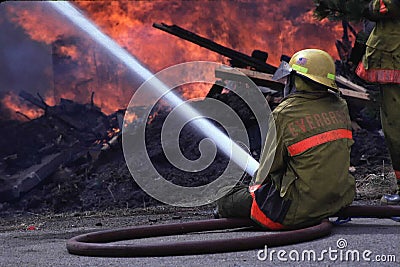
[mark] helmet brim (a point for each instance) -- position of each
(283, 71)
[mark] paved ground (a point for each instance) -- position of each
(375, 240)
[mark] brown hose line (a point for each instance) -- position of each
(369, 211)
(93, 244)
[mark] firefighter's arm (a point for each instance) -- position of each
(274, 150)
(383, 9)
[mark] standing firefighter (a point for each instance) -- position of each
(309, 178)
(381, 65)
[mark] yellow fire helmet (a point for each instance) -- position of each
(316, 65)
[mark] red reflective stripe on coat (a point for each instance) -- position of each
(378, 75)
(397, 173)
(257, 215)
(319, 139)
(383, 9)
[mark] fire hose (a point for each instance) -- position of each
(96, 243)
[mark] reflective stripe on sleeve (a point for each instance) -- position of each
(319, 139)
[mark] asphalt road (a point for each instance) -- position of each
(362, 242)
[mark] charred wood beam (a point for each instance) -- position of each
(43, 101)
(92, 100)
(49, 110)
(33, 100)
(213, 46)
(22, 183)
(353, 31)
(23, 115)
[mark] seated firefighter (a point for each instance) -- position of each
(309, 178)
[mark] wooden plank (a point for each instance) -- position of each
(225, 72)
(350, 84)
(256, 74)
(233, 73)
(354, 94)
(259, 78)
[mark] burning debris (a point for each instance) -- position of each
(66, 133)
(65, 154)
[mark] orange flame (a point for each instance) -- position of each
(70, 51)
(13, 103)
(113, 132)
(275, 27)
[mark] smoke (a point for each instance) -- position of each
(24, 64)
